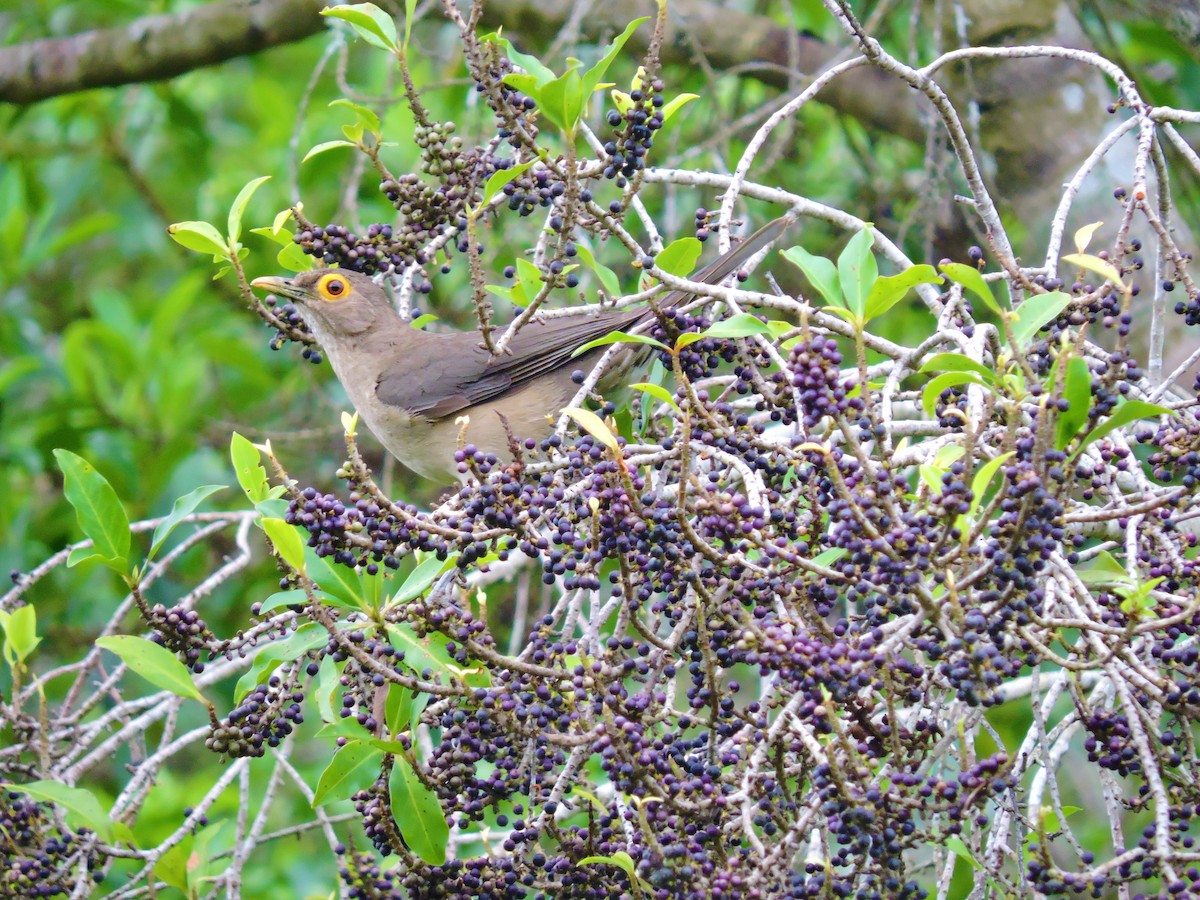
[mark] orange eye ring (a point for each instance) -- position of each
(333, 287)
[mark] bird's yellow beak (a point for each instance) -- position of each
(272, 284)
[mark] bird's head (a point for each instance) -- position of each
(335, 303)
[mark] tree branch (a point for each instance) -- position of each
(158, 47)
(153, 47)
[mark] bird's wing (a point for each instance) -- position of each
(463, 374)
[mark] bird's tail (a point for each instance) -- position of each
(724, 266)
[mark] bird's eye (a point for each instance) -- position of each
(333, 287)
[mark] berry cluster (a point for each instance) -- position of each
(633, 131)
(1177, 452)
(290, 326)
(377, 823)
(536, 189)
(36, 858)
(688, 572)
(727, 553)
(426, 210)
(515, 113)
(817, 377)
(263, 719)
(181, 631)
(698, 359)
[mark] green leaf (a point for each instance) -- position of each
(422, 320)
(1083, 236)
(308, 636)
(1104, 571)
(247, 464)
(1077, 390)
(932, 476)
(1127, 412)
(675, 104)
(969, 278)
(420, 578)
(501, 177)
(948, 455)
(287, 542)
(98, 510)
(172, 865)
(183, 508)
(619, 337)
(402, 708)
(820, 272)
(327, 145)
(293, 259)
(737, 326)
(656, 376)
(418, 814)
(857, 271)
(427, 656)
(20, 633)
(931, 391)
(524, 82)
(239, 207)
(1101, 267)
(888, 290)
(506, 293)
(957, 362)
(530, 64)
(529, 278)
(679, 257)
(83, 809)
(204, 863)
(294, 597)
(608, 278)
(298, 597)
(1035, 312)
(740, 325)
(410, 9)
(370, 22)
(1138, 600)
(620, 859)
(366, 118)
(155, 663)
(593, 425)
(830, 556)
(342, 583)
(842, 313)
(282, 238)
(562, 100)
(659, 393)
(594, 75)
(326, 683)
(958, 847)
(353, 767)
(199, 236)
(281, 219)
(983, 479)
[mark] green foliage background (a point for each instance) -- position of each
(116, 344)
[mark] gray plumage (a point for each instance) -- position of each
(411, 387)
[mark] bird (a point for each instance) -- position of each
(412, 387)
